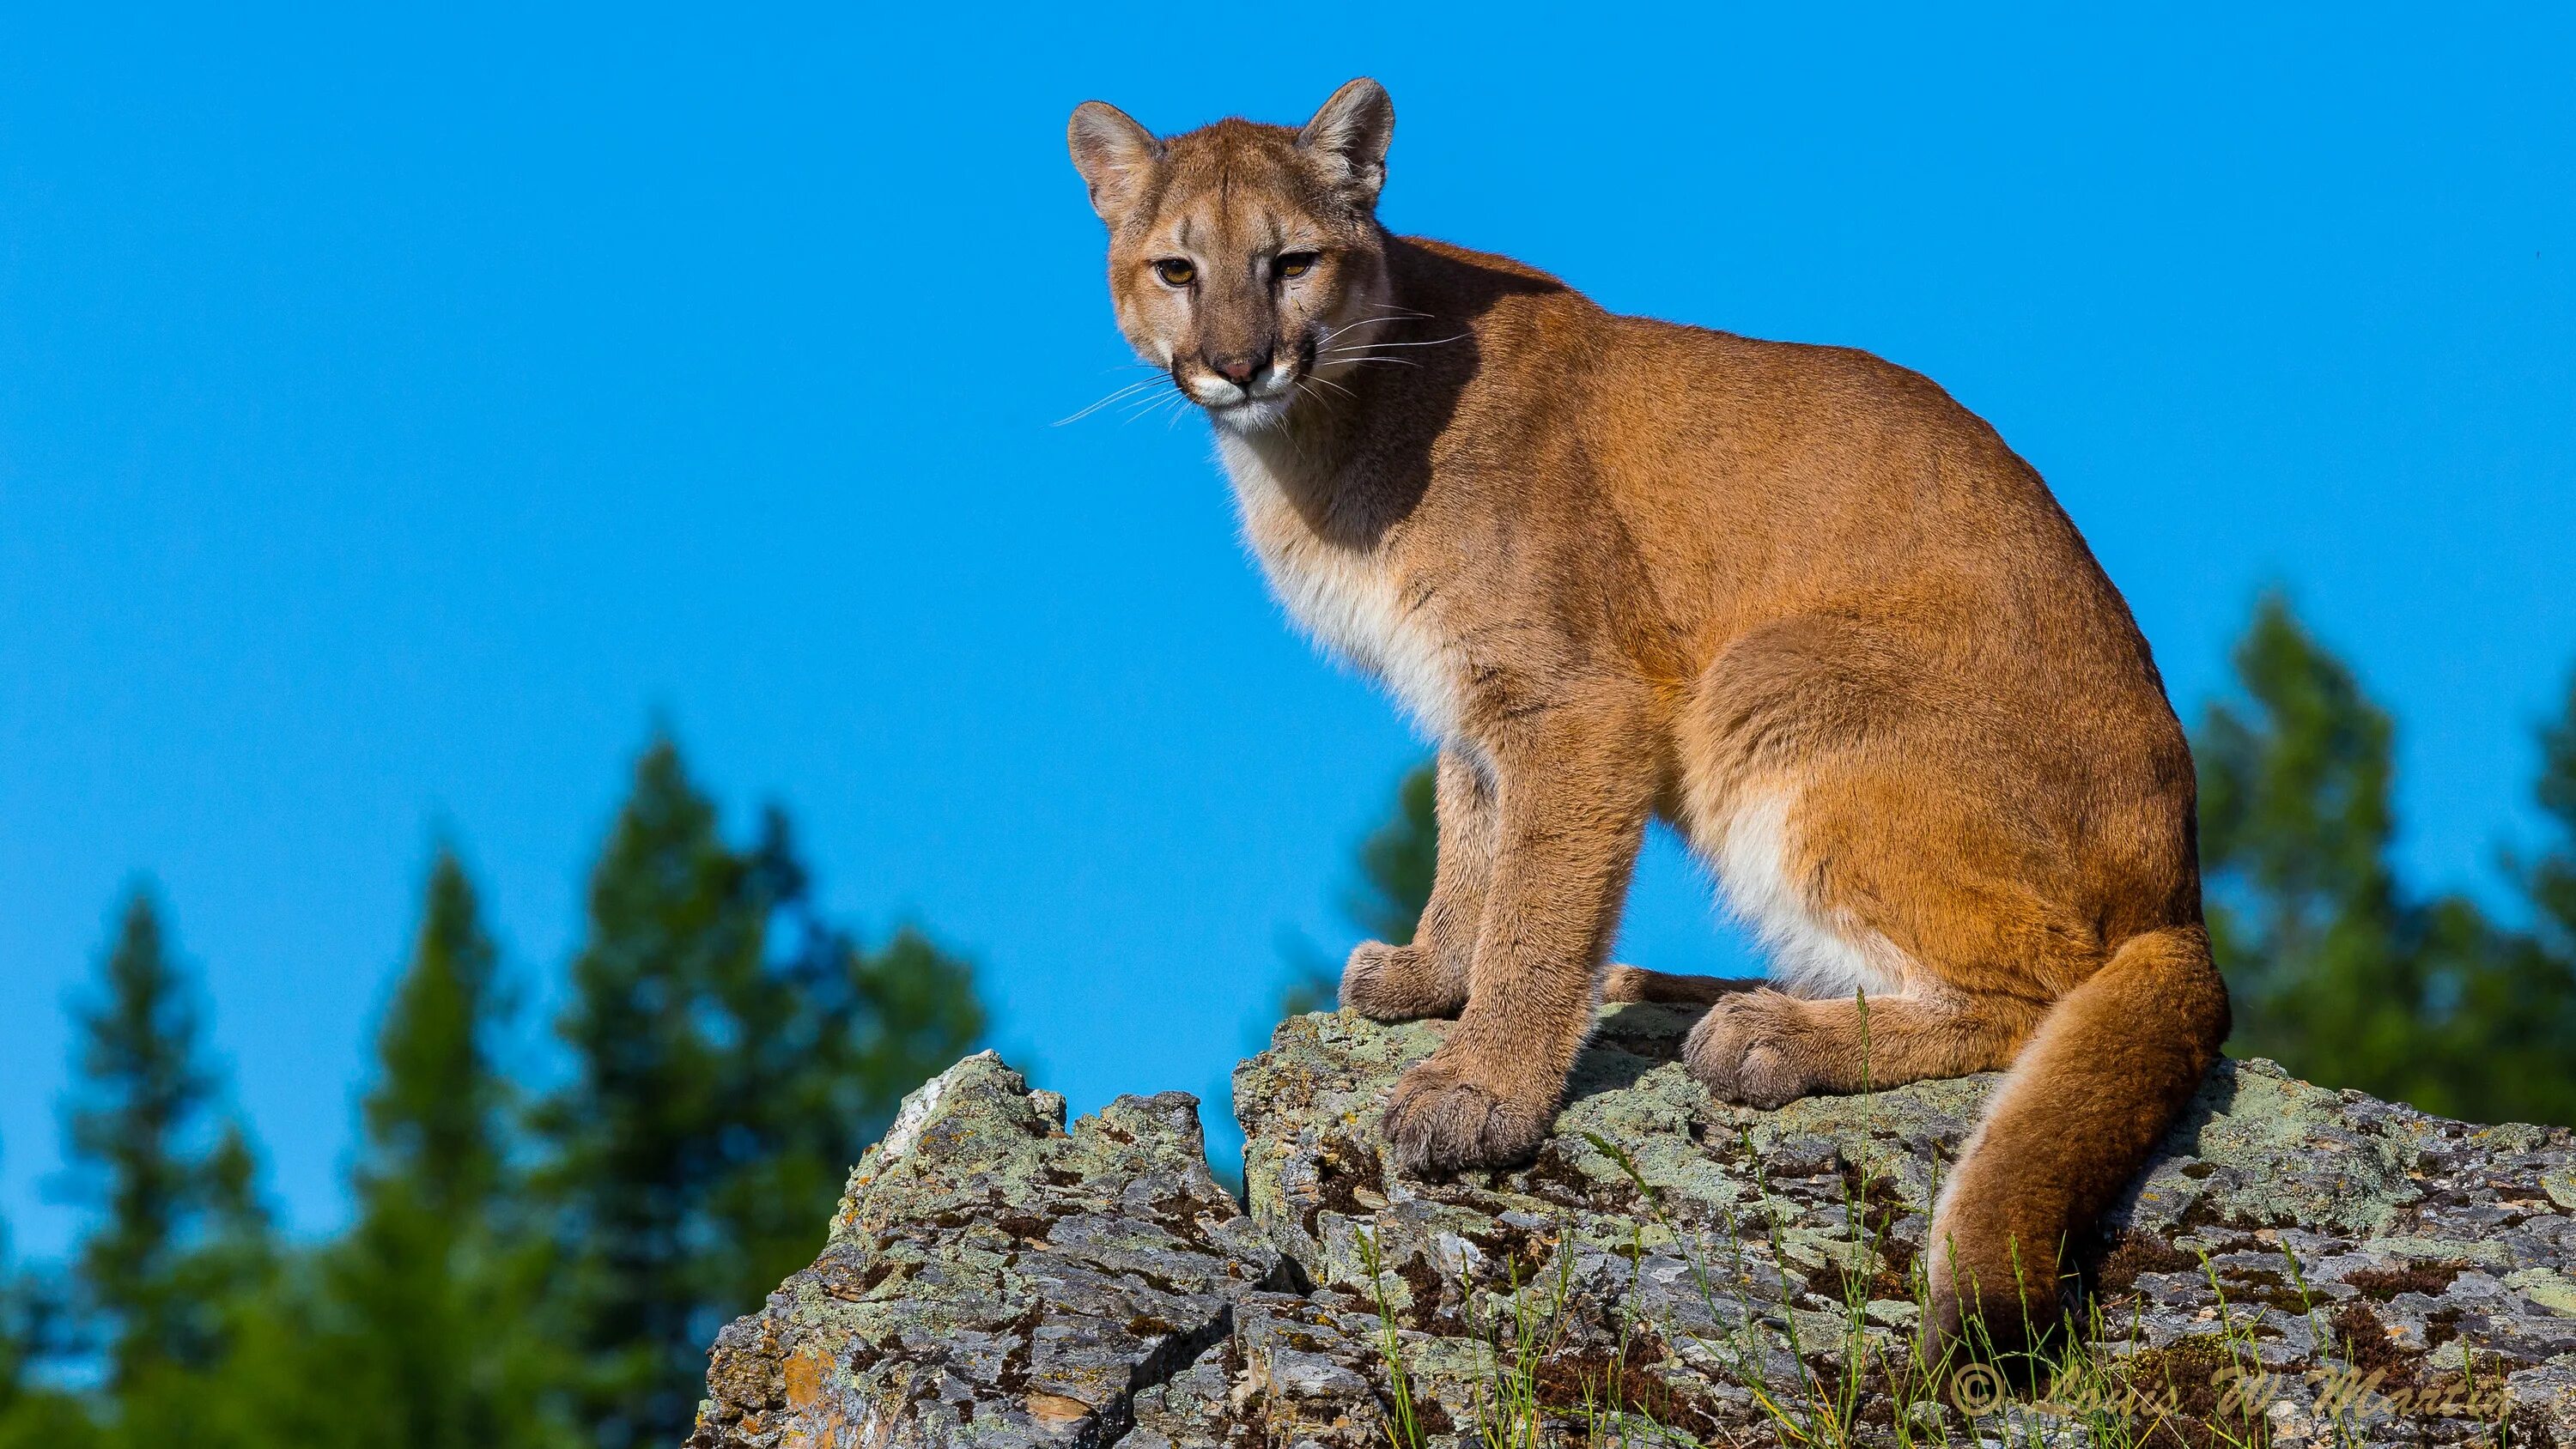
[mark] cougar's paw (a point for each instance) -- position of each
(1439, 1121)
(1396, 983)
(1746, 1049)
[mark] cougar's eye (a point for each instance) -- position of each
(1175, 272)
(1295, 264)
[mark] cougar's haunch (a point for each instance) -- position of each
(1794, 599)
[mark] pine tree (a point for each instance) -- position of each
(2336, 968)
(1395, 866)
(184, 1227)
(423, 1320)
(30, 1332)
(2296, 821)
(2531, 997)
(34, 1414)
(2550, 881)
(186, 1249)
(1397, 860)
(733, 1055)
(434, 1119)
(18, 1331)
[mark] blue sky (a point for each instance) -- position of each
(398, 413)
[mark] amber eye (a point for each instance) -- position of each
(1175, 272)
(1295, 264)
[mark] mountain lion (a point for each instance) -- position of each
(1795, 600)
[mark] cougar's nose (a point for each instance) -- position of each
(1239, 368)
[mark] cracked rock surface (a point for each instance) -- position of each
(995, 1278)
(2296, 1266)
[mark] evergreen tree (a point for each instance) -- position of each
(734, 1054)
(1395, 871)
(18, 1315)
(434, 1120)
(186, 1248)
(2550, 881)
(34, 1414)
(1397, 860)
(184, 1227)
(2336, 969)
(424, 1318)
(31, 1413)
(2530, 998)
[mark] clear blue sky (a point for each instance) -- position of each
(397, 414)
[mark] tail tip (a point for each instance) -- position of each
(2015, 1333)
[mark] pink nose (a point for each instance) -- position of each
(1237, 370)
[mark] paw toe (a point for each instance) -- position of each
(1741, 1051)
(1370, 980)
(1395, 983)
(1766, 1079)
(1437, 1121)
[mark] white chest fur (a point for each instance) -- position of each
(1348, 600)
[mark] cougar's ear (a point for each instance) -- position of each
(1353, 129)
(1114, 155)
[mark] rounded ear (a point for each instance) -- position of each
(1113, 153)
(1354, 128)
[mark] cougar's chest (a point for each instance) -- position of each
(1351, 601)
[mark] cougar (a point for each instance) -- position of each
(1795, 600)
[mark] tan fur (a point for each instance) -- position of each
(1794, 599)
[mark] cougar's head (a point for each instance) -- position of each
(1244, 258)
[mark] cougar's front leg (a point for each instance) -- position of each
(1428, 977)
(1570, 803)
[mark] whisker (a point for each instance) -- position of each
(1124, 392)
(1434, 342)
(1358, 323)
(1143, 401)
(1393, 317)
(1390, 320)
(1149, 409)
(1144, 410)
(1139, 407)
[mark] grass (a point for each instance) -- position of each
(1536, 1388)
(1404, 1426)
(2104, 1387)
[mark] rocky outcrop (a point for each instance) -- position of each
(2297, 1266)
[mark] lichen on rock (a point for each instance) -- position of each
(997, 1278)
(2296, 1264)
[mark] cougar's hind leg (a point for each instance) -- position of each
(1428, 976)
(1636, 983)
(1900, 955)
(1851, 822)
(1766, 1048)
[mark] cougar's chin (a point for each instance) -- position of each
(1243, 409)
(1251, 414)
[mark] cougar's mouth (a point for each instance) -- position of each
(1263, 401)
(1250, 413)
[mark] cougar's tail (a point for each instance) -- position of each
(2107, 1072)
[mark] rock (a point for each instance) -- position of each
(2341, 1269)
(994, 1278)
